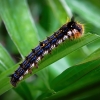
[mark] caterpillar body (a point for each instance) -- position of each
(70, 30)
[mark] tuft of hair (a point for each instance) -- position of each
(75, 28)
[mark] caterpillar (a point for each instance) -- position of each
(70, 30)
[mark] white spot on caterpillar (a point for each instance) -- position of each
(53, 46)
(26, 72)
(69, 33)
(60, 41)
(21, 78)
(74, 31)
(65, 37)
(45, 52)
(32, 65)
(38, 59)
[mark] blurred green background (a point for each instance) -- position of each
(24, 23)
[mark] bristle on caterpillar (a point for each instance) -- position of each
(70, 30)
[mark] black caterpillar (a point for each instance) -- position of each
(70, 30)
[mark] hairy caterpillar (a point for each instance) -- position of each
(70, 30)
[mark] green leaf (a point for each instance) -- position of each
(68, 76)
(85, 9)
(93, 56)
(24, 91)
(59, 52)
(64, 49)
(60, 10)
(21, 28)
(76, 81)
(19, 24)
(5, 59)
(73, 74)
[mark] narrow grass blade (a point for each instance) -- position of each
(61, 51)
(5, 59)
